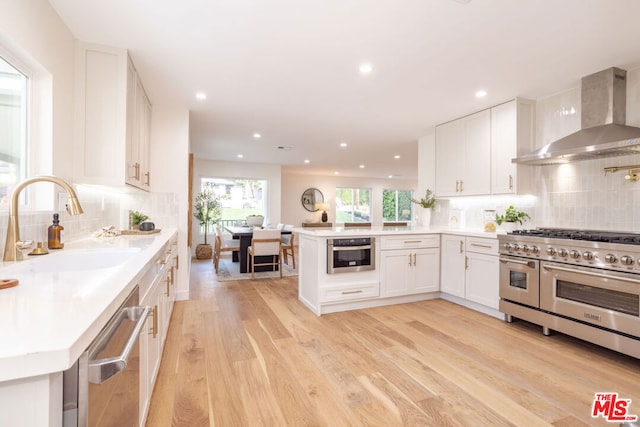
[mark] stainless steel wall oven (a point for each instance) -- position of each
(351, 254)
(582, 283)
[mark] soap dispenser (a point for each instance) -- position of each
(56, 232)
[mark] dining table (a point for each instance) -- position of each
(245, 234)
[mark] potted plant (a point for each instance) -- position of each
(511, 217)
(207, 210)
(428, 202)
(136, 218)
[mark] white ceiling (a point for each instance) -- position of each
(288, 69)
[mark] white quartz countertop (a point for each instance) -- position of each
(51, 317)
(390, 231)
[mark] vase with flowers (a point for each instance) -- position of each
(428, 202)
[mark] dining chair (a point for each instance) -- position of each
(288, 246)
(223, 245)
(357, 224)
(265, 242)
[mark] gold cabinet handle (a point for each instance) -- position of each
(154, 326)
(148, 180)
(461, 189)
(414, 260)
(351, 292)
(466, 262)
(168, 280)
(461, 246)
(136, 174)
(457, 183)
(410, 260)
(510, 182)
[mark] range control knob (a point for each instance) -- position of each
(525, 249)
(626, 260)
(587, 255)
(516, 247)
(508, 246)
(574, 254)
(535, 250)
(552, 251)
(611, 258)
(563, 253)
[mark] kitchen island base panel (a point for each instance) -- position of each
(19, 398)
(371, 303)
(613, 341)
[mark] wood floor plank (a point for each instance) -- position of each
(248, 353)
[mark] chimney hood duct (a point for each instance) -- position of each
(604, 133)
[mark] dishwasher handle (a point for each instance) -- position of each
(101, 370)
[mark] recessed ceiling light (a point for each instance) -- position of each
(361, 166)
(240, 156)
(336, 173)
(390, 176)
(343, 144)
(481, 93)
(284, 147)
(366, 68)
(397, 156)
(307, 161)
(201, 95)
(257, 136)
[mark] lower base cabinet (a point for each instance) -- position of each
(412, 269)
(160, 297)
(470, 269)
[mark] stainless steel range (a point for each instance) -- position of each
(579, 282)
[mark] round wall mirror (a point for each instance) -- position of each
(310, 198)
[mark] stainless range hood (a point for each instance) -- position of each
(604, 133)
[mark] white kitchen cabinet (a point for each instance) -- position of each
(158, 285)
(452, 267)
(511, 135)
(409, 265)
(463, 156)
(114, 116)
(470, 269)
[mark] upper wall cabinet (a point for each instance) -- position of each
(473, 154)
(463, 156)
(511, 136)
(113, 131)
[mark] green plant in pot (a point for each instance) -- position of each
(207, 210)
(511, 217)
(137, 218)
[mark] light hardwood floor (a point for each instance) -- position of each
(248, 353)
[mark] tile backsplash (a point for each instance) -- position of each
(102, 207)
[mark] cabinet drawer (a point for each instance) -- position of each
(410, 241)
(482, 245)
(349, 292)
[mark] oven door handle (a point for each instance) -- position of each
(351, 248)
(588, 273)
(531, 264)
(101, 370)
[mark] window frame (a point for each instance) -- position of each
(397, 218)
(353, 210)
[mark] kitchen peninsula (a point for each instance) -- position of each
(405, 267)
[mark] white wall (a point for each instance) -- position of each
(203, 168)
(32, 28)
(293, 185)
(170, 174)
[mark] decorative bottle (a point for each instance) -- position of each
(56, 232)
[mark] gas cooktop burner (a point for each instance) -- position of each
(588, 235)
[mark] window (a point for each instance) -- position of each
(240, 197)
(353, 205)
(396, 205)
(13, 128)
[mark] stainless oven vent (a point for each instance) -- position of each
(604, 131)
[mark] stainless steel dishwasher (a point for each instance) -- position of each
(103, 387)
